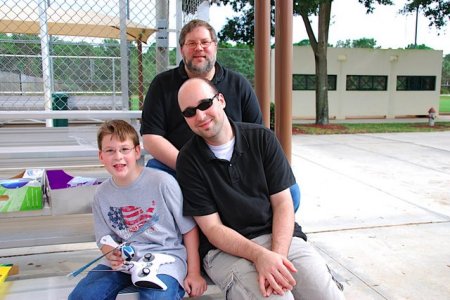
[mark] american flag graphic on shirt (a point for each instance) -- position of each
(129, 218)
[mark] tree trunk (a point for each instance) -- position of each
(321, 87)
(320, 55)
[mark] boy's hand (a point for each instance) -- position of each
(114, 257)
(195, 285)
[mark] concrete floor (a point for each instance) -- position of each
(377, 206)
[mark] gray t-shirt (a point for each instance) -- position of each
(152, 205)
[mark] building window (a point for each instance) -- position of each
(416, 83)
(366, 83)
(307, 82)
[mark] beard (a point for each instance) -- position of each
(199, 69)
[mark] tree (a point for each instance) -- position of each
(238, 58)
(241, 28)
(437, 11)
(322, 9)
(358, 43)
(344, 44)
(421, 47)
(19, 46)
(365, 43)
(303, 43)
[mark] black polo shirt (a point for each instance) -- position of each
(239, 189)
(161, 114)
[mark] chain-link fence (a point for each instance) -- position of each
(53, 47)
(91, 55)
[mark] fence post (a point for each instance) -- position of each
(124, 54)
(46, 63)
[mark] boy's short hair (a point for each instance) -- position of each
(189, 27)
(119, 129)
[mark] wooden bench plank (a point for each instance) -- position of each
(48, 151)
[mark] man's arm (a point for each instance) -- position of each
(161, 149)
(283, 221)
(155, 120)
(273, 268)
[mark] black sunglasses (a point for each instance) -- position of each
(204, 104)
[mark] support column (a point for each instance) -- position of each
(46, 60)
(162, 36)
(283, 74)
(262, 57)
(179, 25)
(125, 56)
(140, 75)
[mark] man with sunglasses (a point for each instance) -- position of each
(235, 181)
(163, 129)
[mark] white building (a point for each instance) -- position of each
(368, 83)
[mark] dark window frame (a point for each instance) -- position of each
(376, 83)
(416, 83)
(307, 82)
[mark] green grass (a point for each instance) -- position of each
(134, 100)
(444, 104)
(351, 128)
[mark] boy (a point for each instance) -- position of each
(145, 204)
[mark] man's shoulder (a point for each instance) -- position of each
(168, 74)
(194, 150)
(253, 131)
(225, 75)
(190, 145)
(251, 126)
(228, 73)
(164, 85)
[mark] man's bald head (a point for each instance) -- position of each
(203, 109)
(196, 88)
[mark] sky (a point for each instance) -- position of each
(389, 28)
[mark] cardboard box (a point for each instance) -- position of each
(22, 192)
(69, 194)
(8, 270)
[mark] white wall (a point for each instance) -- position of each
(391, 103)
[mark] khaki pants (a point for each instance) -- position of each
(238, 278)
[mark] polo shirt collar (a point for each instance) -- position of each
(182, 71)
(241, 144)
(218, 75)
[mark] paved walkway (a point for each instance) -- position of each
(377, 206)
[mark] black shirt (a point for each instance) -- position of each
(161, 114)
(239, 189)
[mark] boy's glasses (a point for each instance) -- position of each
(203, 44)
(124, 151)
(203, 105)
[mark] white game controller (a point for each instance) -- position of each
(143, 272)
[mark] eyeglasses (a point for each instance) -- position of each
(203, 44)
(124, 151)
(203, 105)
